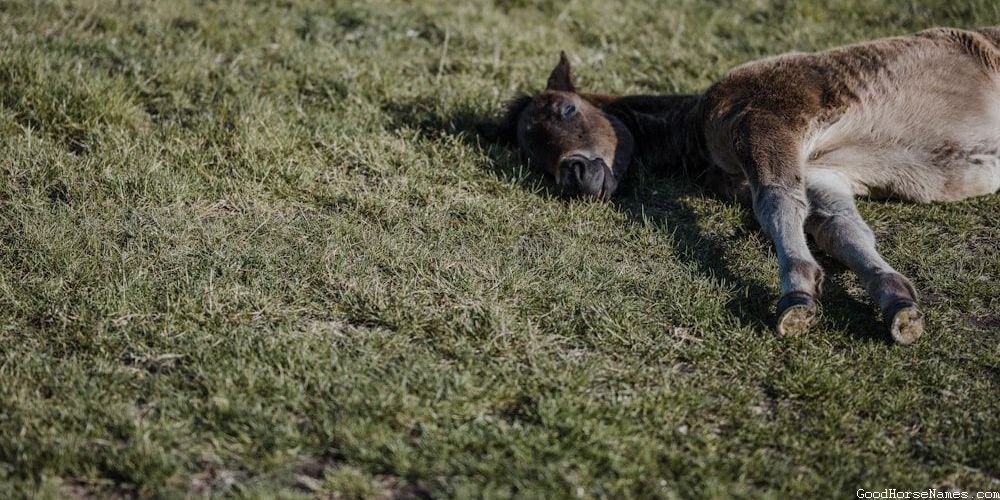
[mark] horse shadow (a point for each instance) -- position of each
(666, 201)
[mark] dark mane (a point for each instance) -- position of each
(668, 138)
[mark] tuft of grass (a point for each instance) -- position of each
(255, 249)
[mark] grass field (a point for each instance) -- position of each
(255, 248)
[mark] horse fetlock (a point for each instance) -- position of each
(804, 275)
(890, 288)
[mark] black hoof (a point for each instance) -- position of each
(905, 320)
(797, 312)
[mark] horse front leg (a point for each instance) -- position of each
(781, 212)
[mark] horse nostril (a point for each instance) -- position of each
(579, 169)
(582, 175)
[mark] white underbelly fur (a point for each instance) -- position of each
(935, 142)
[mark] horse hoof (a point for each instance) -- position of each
(906, 321)
(796, 313)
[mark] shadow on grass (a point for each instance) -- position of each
(842, 311)
(670, 211)
(475, 130)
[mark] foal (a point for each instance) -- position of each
(797, 136)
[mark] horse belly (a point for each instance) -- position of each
(925, 144)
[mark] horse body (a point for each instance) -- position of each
(914, 118)
(798, 136)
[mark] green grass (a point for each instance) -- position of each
(254, 248)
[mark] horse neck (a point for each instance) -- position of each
(667, 129)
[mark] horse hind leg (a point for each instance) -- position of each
(838, 229)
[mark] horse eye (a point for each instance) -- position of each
(568, 110)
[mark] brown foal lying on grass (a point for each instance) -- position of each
(797, 136)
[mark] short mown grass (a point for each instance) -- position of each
(256, 248)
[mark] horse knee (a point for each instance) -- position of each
(832, 230)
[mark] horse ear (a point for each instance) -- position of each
(505, 130)
(562, 76)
